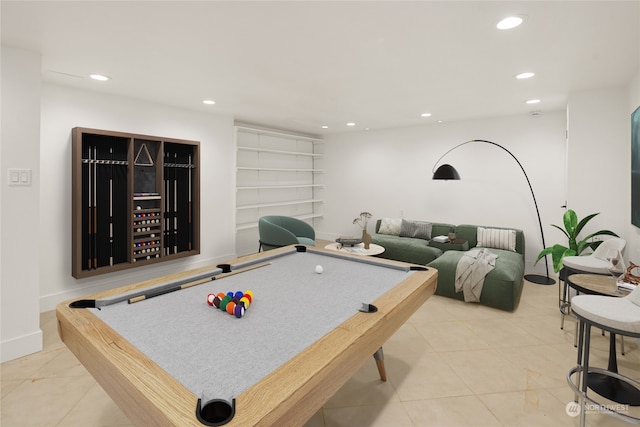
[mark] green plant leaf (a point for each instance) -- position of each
(584, 222)
(572, 228)
(558, 253)
(543, 253)
(586, 243)
(570, 220)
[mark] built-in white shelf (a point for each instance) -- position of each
(257, 168)
(280, 187)
(270, 205)
(286, 153)
(277, 173)
(256, 131)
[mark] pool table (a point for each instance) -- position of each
(169, 358)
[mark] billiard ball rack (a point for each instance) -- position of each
(135, 200)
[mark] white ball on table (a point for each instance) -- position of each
(319, 269)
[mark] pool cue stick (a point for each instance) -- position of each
(168, 290)
(111, 206)
(169, 204)
(169, 210)
(189, 212)
(166, 208)
(194, 283)
(89, 212)
(175, 206)
(95, 209)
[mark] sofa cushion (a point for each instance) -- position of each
(390, 226)
(497, 238)
(416, 229)
(469, 233)
(502, 286)
(407, 249)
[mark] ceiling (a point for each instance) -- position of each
(302, 65)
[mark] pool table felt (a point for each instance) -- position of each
(216, 355)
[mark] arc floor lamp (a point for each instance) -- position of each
(447, 172)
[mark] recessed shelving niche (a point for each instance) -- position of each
(276, 174)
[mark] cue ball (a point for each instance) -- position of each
(319, 269)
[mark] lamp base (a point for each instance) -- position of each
(539, 280)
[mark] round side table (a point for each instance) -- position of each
(356, 249)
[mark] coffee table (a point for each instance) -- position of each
(356, 249)
(605, 385)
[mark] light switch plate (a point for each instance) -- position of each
(19, 177)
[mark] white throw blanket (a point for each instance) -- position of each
(471, 270)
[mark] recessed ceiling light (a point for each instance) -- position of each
(425, 115)
(438, 121)
(100, 77)
(509, 22)
(532, 101)
(526, 75)
(351, 124)
(325, 127)
(209, 101)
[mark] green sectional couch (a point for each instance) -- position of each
(502, 286)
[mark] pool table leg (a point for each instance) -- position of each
(379, 357)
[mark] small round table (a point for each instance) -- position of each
(595, 284)
(356, 249)
(604, 385)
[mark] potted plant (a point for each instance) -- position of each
(362, 221)
(572, 228)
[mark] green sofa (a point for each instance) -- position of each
(502, 286)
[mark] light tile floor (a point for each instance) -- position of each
(451, 364)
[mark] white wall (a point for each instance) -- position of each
(388, 173)
(19, 250)
(63, 109)
(599, 167)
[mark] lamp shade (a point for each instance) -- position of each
(446, 172)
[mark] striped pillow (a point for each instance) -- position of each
(497, 238)
(416, 229)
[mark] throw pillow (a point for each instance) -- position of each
(497, 238)
(416, 229)
(390, 226)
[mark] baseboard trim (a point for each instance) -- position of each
(20, 346)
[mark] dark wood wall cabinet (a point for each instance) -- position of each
(136, 200)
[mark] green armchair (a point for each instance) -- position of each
(278, 231)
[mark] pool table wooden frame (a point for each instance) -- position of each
(288, 396)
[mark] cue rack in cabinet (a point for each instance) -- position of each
(136, 200)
